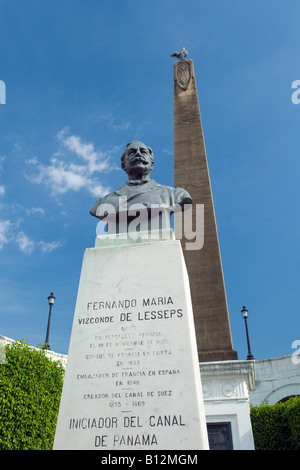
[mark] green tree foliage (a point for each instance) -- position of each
(292, 415)
(277, 427)
(30, 390)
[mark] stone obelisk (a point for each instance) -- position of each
(204, 266)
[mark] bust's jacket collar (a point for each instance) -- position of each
(133, 191)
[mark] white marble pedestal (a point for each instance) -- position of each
(132, 379)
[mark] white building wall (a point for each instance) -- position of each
(276, 378)
(53, 355)
(226, 386)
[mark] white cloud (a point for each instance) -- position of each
(96, 160)
(25, 244)
(28, 245)
(35, 210)
(97, 190)
(9, 233)
(63, 175)
(5, 232)
(32, 161)
(2, 190)
(111, 123)
(48, 247)
(17, 208)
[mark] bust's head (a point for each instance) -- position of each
(137, 160)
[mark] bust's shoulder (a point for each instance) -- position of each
(182, 196)
(176, 195)
(110, 198)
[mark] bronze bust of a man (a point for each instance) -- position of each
(137, 161)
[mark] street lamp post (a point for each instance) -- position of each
(51, 299)
(244, 313)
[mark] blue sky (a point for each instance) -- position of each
(85, 77)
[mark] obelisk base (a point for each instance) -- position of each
(132, 379)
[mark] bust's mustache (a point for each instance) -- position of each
(138, 159)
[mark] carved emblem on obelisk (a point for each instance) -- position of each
(183, 74)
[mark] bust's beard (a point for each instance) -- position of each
(139, 173)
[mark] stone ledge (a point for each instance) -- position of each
(218, 369)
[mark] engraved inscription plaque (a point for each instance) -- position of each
(132, 378)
